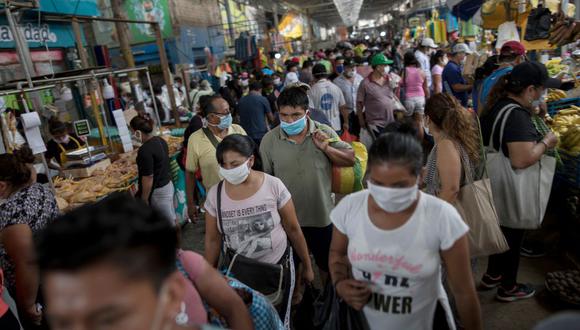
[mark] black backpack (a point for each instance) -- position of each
(539, 23)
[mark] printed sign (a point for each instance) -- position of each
(82, 128)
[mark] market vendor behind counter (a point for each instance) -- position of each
(62, 142)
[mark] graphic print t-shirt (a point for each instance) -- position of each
(328, 98)
(253, 226)
(402, 266)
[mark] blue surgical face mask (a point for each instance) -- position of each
(294, 128)
(225, 122)
(339, 68)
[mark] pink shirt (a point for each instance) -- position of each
(194, 265)
(253, 226)
(3, 305)
(437, 70)
(413, 82)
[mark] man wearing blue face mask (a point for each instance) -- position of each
(202, 145)
(300, 154)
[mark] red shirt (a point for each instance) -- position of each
(3, 305)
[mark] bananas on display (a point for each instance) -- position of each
(566, 126)
(555, 95)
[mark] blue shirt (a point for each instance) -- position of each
(253, 109)
(451, 76)
(490, 81)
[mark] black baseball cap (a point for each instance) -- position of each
(319, 70)
(349, 63)
(532, 73)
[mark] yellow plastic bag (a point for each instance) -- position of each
(346, 180)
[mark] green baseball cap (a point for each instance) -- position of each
(380, 59)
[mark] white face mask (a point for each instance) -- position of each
(236, 175)
(387, 70)
(63, 140)
(277, 81)
(393, 200)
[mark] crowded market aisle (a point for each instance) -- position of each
(496, 315)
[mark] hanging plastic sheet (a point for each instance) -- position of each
(291, 26)
(466, 9)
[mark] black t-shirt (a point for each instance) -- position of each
(153, 159)
(54, 151)
(518, 128)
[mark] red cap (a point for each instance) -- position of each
(295, 60)
(513, 48)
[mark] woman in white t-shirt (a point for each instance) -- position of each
(389, 242)
(258, 215)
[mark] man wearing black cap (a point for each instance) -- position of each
(519, 92)
(349, 82)
(328, 98)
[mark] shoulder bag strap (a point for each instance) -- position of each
(499, 115)
(219, 209)
(211, 137)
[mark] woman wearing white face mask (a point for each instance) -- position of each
(518, 93)
(155, 185)
(258, 216)
(389, 241)
(61, 143)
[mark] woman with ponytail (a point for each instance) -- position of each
(456, 146)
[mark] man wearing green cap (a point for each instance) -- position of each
(375, 97)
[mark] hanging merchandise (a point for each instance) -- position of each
(538, 26)
(564, 30)
(466, 9)
(507, 32)
(246, 48)
(468, 29)
(452, 22)
(496, 12)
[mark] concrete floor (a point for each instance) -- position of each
(496, 315)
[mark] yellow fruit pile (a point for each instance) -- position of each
(555, 95)
(566, 126)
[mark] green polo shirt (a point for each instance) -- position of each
(305, 170)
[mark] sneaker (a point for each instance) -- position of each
(532, 252)
(520, 291)
(488, 282)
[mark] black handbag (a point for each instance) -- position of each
(333, 313)
(539, 23)
(269, 279)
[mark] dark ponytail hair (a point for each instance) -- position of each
(24, 155)
(241, 144)
(500, 90)
(13, 170)
(56, 127)
(397, 148)
(142, 124)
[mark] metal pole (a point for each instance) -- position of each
(166, 73)
(85, 64)
(21, 47)
(186, 85)
(154, 103)
(124, 43)
(97, 87)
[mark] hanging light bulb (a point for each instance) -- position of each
(108, 91)
(383, 34)
(66, 94)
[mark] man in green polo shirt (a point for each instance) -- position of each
(298, 152)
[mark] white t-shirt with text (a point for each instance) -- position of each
(403, 265)
(253, 226)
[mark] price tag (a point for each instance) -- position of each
(82, 127)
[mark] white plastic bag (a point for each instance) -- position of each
(507, 32)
